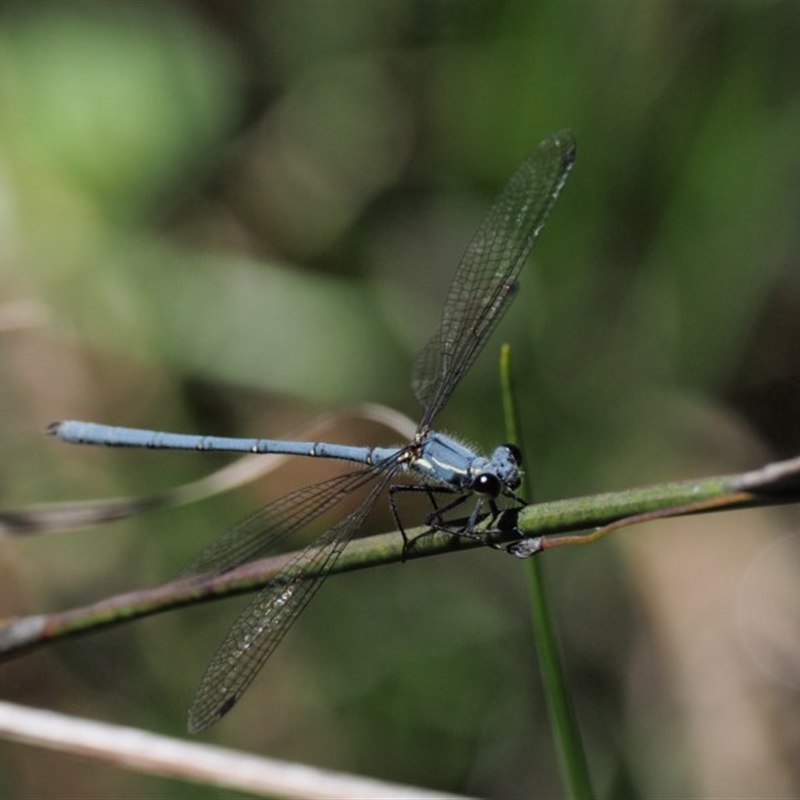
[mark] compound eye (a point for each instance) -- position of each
(487, 484)
(516, 453)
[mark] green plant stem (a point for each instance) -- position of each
(546, 524)
(566, 734)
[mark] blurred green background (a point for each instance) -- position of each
(228, 216)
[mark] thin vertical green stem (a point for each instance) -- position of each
(568, 744)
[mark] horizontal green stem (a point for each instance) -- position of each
(775, 483)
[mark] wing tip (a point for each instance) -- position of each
(565, 140)
(200, 719)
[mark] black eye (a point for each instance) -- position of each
(516, 453)
(487, 484)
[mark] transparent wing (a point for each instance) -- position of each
(265, 621)
(486, 279)
(259, 534)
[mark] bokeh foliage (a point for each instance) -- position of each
(226, 216)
